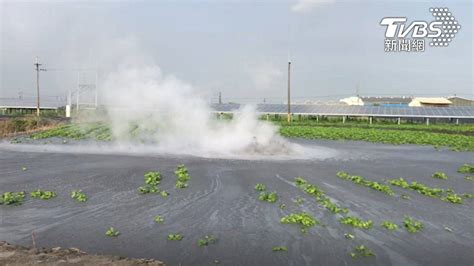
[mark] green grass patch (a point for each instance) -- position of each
(303, 219)
(12, 198)
(359, 180)
(45, 195)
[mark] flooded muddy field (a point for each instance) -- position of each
(221, 201)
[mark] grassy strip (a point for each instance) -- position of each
(455, 142)
(447, 195)
(364, 182)
(319, 195)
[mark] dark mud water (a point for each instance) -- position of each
(221, 201)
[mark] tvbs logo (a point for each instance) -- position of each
(402, 37)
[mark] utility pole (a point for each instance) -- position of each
(289, 88)
(37, 65)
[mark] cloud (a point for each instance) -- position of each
(264, 75)
(304, 6)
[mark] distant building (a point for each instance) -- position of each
(461, 101)
(387, 101)
(434, 102)
(352, 101)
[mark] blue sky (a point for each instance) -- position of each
(237, 47)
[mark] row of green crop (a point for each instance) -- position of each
(464, 128)
(455, 142)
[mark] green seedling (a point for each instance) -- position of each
(152, 180)
(207, 240)
(12, 198)
(389, 225)
(175, 237)
(362, 251)
(260, 187)
(440, 175)
(467, 195)
(303, 219)
(405, 197)
(448, 229)
(349, 236)
(470, 178)
(282, 206)
(412, 225)
(319, 195)
(365, 182)
(298, 201)
(79, 196)
(182, 176)
(356, 222)
(453, 198)
(45, 195)
(112, 232)
(23, 168)
(158, 219)
(164, 194)
(268, 197)
(280, 248)
(466, 169)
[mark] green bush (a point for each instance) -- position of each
(175, 237)
(207, 240)
(389, 225)
(268, 196)
(182, 176)
(466, 169)
(440, 175)
(260, 187)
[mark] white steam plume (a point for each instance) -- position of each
(162, 111)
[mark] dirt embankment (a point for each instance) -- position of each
(12, 126)
(18, 255)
